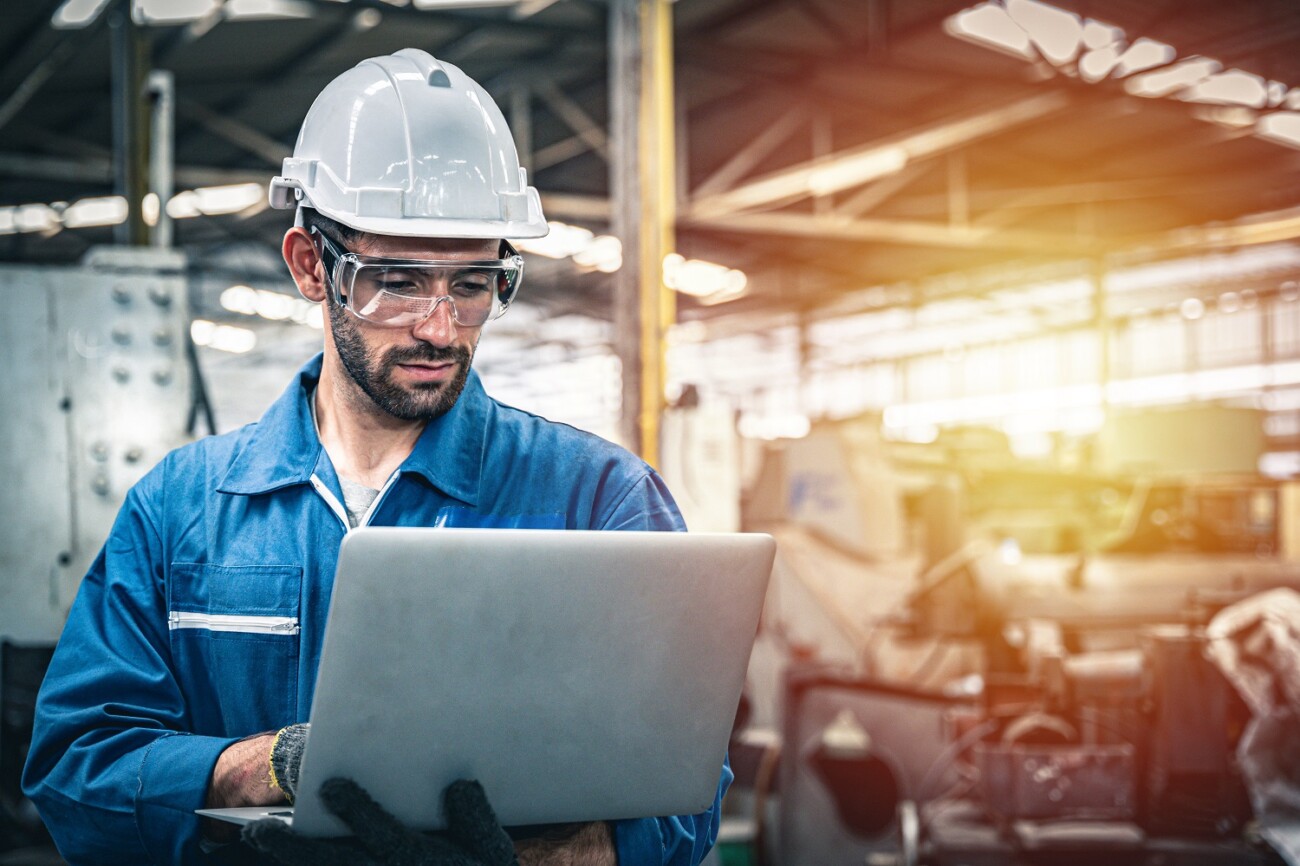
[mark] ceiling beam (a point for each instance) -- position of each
(529, 8)
(559, 151)
(239, 134)
(727, 20)
(51, 142)
(753, 153)
(1264, 228)
(875, 194)
(574, 117)
(855, 166)
(20, 39)
(100, 171)
(340, 31)
(473, 19)
(829, 27)
(892, 231)
(584, 208)
(66, 48)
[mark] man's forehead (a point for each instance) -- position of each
(392, 246)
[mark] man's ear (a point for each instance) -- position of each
(304, 264)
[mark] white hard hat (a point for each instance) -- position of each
(408, 145)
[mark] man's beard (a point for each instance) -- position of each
(422, 401)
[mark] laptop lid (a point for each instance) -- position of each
(578, 676)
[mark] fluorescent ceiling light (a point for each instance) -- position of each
(991, 26)
(1057, 34)
(172, 11)
(710, 282)
(588, 250)
(273, 306)
(1233, 87)
(106, 211)
(1098, 63)
(212, 200)
(77, 13)
(240, 299)
(1097, 35)
(252, 10)
(1230, 116)
(183, 205)
(367, 19)
(561, 242)
(35, 218)
(149, 209)
(1282, 127)
(1029, 28)
(604, 254)
(1142, 55)
(224, 338)
(1192, 309)
(1177, 77)
(459, 4)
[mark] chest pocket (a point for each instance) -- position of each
(234, 641)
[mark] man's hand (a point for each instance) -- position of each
(473, 838)
(584, 845)
(242, 776)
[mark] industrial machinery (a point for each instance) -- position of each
(1068, 756)
(1035, 699)
(99, 384)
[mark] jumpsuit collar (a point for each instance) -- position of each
(283, 449)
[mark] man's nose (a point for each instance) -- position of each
(439, 327)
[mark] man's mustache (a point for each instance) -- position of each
(427, 354)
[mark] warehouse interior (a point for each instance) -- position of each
(987, 310)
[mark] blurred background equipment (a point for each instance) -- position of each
(988, 311)
(99, 385)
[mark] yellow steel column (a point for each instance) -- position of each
(643, 193)
(657, 164)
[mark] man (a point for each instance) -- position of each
(190, 654)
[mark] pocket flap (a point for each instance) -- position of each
(266, 590)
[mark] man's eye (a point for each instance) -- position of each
(393, 281)
(471, 286)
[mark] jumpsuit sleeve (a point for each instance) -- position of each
(111, 769)
(681, 840)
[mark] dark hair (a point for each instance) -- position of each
(332, 229)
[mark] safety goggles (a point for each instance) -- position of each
(401, 293)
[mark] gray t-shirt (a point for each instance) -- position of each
(356, 499)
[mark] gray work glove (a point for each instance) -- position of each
(286, 757)
(474, 837)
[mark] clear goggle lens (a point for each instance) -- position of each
(403, 293)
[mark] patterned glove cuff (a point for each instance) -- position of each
(286, 756)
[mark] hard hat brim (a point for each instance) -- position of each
(425, 227)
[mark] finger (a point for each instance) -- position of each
(275, 839)
(441, 851)
(382, 835)
(473, 824)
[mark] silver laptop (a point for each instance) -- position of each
(579, 676)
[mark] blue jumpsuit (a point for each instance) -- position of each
(201, 619)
